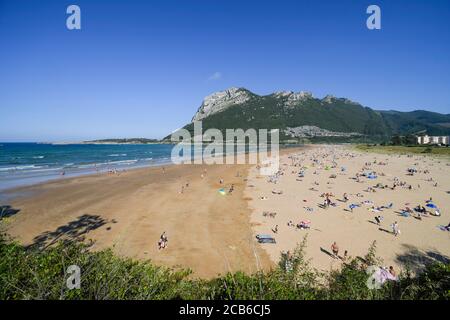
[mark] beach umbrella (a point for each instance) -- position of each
(222, 191)
(371, 177)
(431, 205)
(352, 206)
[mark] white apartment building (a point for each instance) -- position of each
(433, 139)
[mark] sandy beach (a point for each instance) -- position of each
(213, 233)
(307, 176)
(207, 232)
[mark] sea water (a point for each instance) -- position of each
(30, 163)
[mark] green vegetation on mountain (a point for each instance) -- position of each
(27, 273)
(265, 112)
(417, 121)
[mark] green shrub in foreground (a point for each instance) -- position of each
(33, 274)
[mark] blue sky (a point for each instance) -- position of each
(142, 68)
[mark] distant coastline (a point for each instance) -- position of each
(114, 141)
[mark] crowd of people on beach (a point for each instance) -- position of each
(374, 180)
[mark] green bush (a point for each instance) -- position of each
(33, 274)
(427, 150)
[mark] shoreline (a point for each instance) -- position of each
(7, 193)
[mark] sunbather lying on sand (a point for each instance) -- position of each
(270, 214)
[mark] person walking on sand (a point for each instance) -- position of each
(345, 197)
(345, 257)
(395, 229)
(162, 242)
(378, 219)
(335, 250)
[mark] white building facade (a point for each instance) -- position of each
(433, 139)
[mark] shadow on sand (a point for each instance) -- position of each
(72, 231)
(7, 211)
(385, 230)
(416, 260)
(327, 252)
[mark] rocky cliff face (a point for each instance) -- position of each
(291, 99)
(329, 99)
(221, 100)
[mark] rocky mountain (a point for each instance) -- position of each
(221, 100)
(300, 114)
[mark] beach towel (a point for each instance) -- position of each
(386, 275)
(405, 214)
(380, 275)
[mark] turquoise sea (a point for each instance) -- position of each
(29, 163)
